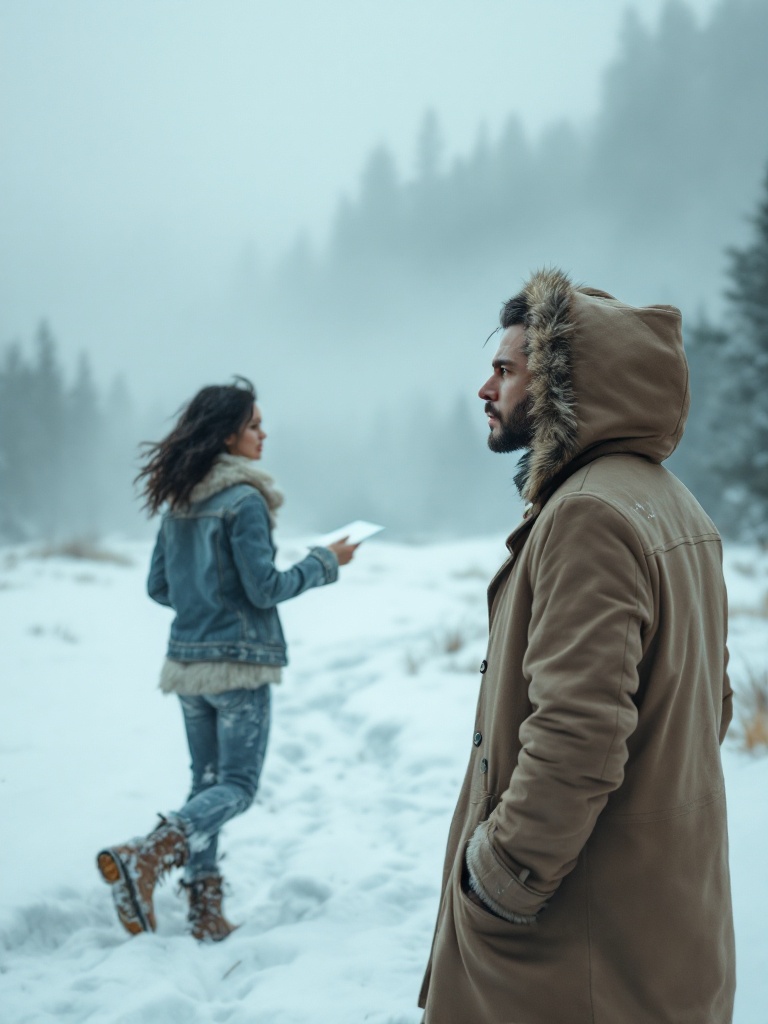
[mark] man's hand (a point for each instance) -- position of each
(344, 552)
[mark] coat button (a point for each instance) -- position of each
(477, 739)
(483, 665)
(484, 766)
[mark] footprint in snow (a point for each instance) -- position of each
(292, 752)
(298, 897)
(47, 926)
(379, 743)
(346, 661)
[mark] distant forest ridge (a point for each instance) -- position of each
(641, 203)
(369, 347)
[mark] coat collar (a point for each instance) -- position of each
(229, 470)
(515, 542)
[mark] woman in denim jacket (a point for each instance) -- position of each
(213, 563)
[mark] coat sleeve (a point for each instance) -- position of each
(727, 711)
(157, 582)
(591, 601)
(264, 585)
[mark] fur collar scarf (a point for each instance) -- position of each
(228, 470)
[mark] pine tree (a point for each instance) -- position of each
(379, 200)
(44, 432)
(16, 473)
(744, 409)
(84, 459)
(695, 461)
(429, 148)
(123, 433)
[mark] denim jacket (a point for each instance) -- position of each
(213, 563)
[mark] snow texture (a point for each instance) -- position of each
(334, 873)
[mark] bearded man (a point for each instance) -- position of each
(586, 878)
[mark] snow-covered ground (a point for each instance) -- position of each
(334, 872)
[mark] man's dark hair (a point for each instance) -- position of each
(174, 465)
(514, 311)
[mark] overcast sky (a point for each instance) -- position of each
(147, 144)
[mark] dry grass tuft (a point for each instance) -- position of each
(745, 568)
(411, 663)
(81, 550)
(451, 641)
(758, 611)
(753, 712)
(472, 572)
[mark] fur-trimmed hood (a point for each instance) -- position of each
(606, 377)
(228, 470)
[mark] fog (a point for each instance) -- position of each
(335, 199)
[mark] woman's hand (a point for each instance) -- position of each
(343, 551)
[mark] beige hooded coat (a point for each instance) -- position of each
(593, 802)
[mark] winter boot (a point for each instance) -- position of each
(134, 869)
(206, 917)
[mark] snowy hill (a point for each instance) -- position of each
(334, 873)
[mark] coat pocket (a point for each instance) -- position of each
(479, 918)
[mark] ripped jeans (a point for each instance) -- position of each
(227, 735)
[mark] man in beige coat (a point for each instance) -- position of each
(586, 877)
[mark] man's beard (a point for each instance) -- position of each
(516, 431)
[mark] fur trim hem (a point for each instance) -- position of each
(549, 331)
(229, 470)
(478, 856)
(497, 908)
(196, 678)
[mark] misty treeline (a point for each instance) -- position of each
(727, 455)
(367, 349)
(645, 196)
(67, 453)
(643, 201)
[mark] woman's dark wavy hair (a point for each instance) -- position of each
(173, 466)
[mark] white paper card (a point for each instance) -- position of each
(357, 531)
